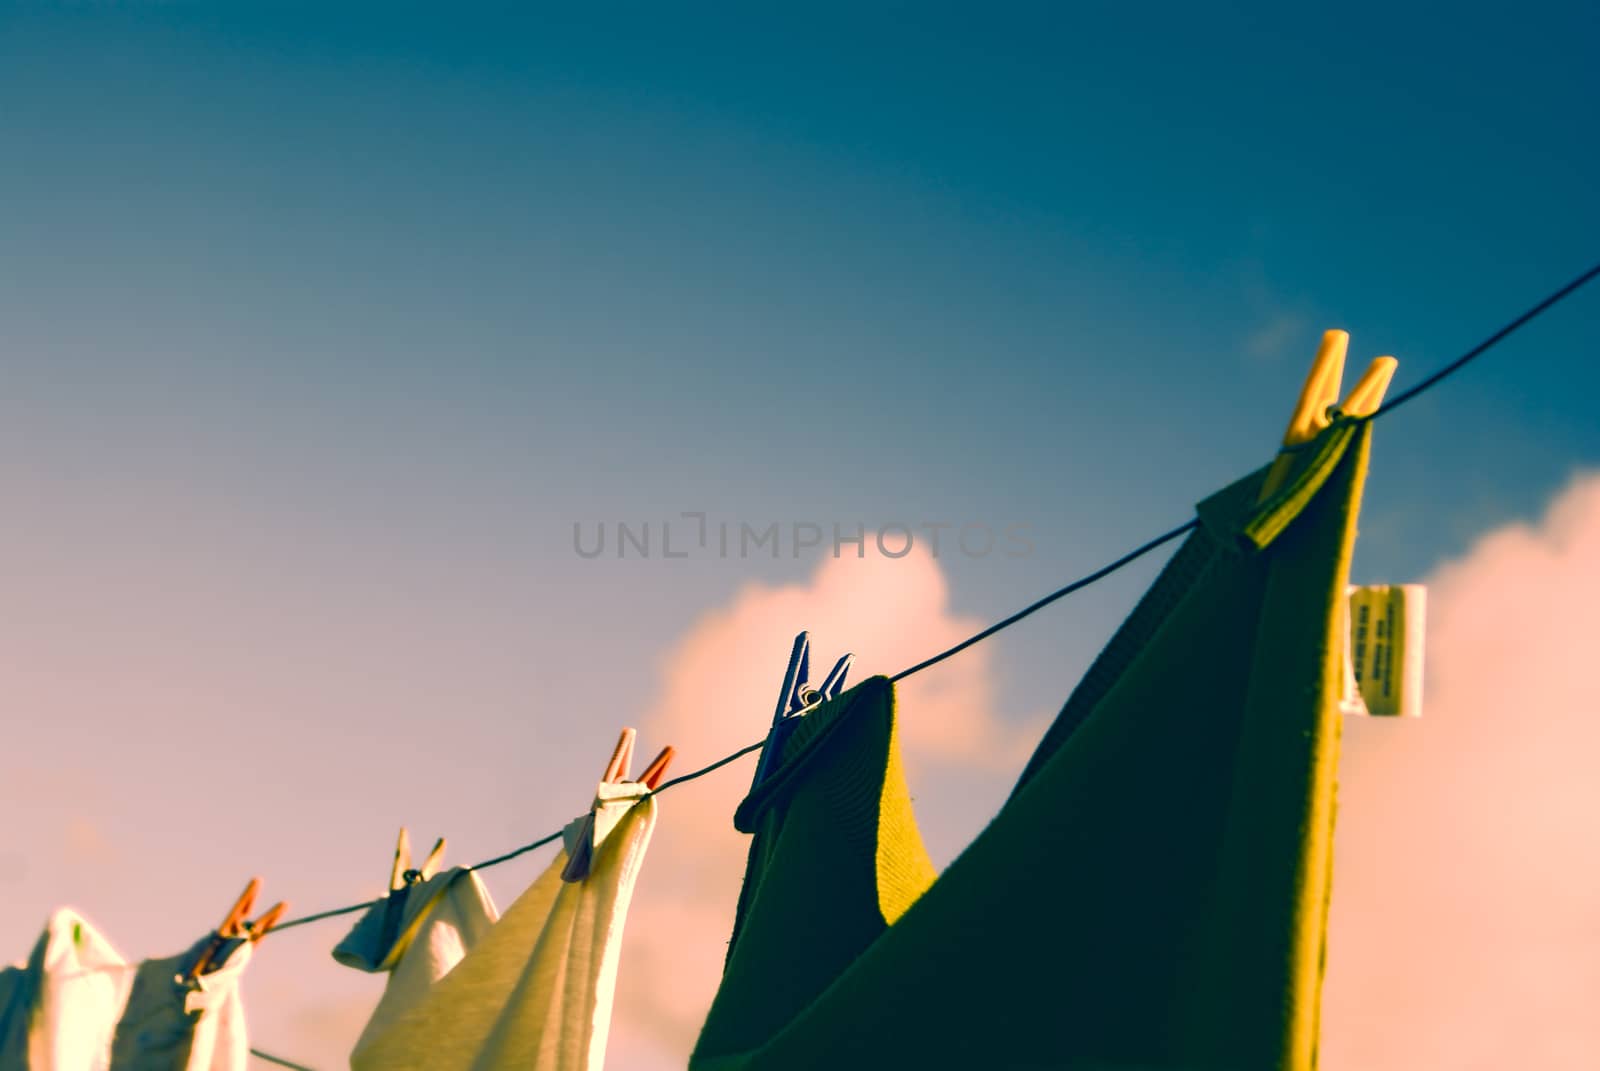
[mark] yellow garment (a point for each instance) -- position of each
(535, 992)
(1153, 896)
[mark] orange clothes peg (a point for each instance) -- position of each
(236, 925)
(263, 925)
(233, 922)
(1319, 397)
(580, 833)
(621, 758)
(657, 769)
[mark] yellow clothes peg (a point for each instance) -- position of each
(1319, 397)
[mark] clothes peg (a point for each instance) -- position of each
(263, 925)
(657, 769)
(401, 879)
(1318, 405)
(621, 758)
(578, 836)
(237, 927)
(402, 861)
(401, 873)
(580, 832)
(796, 699)
(1367, 395)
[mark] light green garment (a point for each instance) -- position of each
(535, 992)
(1154, 894)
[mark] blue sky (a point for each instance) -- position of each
(321, 330)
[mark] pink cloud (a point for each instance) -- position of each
(84, 843)
(1466, 902)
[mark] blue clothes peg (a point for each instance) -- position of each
(796, 698)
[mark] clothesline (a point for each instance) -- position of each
(1040, 604)
(1077, 585)
(280, 1061)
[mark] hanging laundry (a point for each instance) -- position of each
(58, 1010)
(835, 859)
(79, 1006)
(1154, 892)
(175, 1022)
(417, 934)
(534, 993)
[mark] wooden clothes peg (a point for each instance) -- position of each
(579, 834)
(1318, 405)
(401, 879)
(401, 874)
(657, 769)
(621, 758)
(616, 771)
(236, 926)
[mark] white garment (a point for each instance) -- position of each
(438, 922)
(173, 1025)
(79, 1006)
(58, 1010)
(535, 993)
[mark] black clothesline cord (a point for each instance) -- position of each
(1061, 593)
(1077, 585)
(1454, 366)
(280, 1061)
(1098, 574)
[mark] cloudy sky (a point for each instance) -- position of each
(320, 334)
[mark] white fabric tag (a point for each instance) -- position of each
(1383, 654)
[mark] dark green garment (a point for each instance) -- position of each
(835, 858)
(1154, 893)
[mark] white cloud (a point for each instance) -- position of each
(85, 844)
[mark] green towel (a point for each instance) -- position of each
(1154, 893)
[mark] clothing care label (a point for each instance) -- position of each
(1383, 650)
